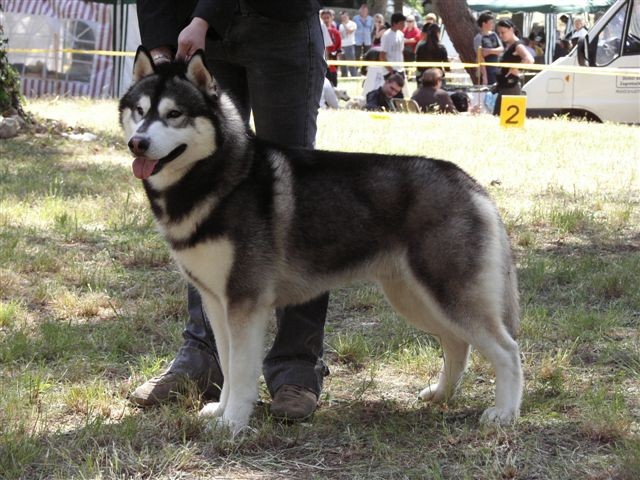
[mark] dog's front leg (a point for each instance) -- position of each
(246, 329)
(216, 314)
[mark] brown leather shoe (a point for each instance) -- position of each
(191, 367)
(293, 403)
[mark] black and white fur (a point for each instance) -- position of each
(254, 226)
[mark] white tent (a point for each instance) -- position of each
(41, 31)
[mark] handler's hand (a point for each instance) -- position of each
(191, 39)
(161, 55)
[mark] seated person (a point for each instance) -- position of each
(563, 47)
(380, 99)
(374, 76)
(430, 96)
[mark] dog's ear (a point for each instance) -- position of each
(143, 64)
(198, 74)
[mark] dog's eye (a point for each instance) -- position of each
(140, 111)
(174, 114)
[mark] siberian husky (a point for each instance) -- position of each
(255, 226)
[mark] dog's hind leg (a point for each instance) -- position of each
(502, 351)
(456, 354)
(426, 316)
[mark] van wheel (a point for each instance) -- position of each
(581, 115)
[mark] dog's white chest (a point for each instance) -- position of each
(208, 265)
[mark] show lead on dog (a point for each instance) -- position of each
(256, 50)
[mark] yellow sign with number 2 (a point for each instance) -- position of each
(512, 111)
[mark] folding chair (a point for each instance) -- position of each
(406, 105)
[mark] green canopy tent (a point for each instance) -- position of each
(549, 9)
(559, 6)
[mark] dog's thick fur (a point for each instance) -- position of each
(254, 226)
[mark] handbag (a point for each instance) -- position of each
(507, 81)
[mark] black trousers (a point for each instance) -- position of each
(276, 71)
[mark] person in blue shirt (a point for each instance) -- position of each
(364, 21)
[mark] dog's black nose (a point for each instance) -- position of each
(138, 145)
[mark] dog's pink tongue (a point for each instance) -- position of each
(143, 167)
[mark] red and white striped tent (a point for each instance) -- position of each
(40, 33)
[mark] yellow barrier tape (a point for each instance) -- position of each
(620, 72)
(109, 53)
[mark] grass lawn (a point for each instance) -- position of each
(91, 305)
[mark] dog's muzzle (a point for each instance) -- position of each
(139, 145)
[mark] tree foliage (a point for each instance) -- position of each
(10, 97)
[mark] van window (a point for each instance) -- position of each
(609, 40)
(632, 43)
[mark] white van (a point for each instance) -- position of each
(613, 42)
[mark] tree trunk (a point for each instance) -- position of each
(378, 6)
(461, 28)
(397, 6)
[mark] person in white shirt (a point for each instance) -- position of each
(348, 33)
(375, 75)
(579, 30)
(392, 44)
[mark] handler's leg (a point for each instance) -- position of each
(196, 362)
(280, 78)
(293, 368)
(285, 77)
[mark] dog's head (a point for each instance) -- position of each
(171, 115)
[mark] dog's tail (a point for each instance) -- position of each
(511, 311)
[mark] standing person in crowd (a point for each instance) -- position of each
(565, 30)
(336, 25)
(508, 80)
(379, 27)
(430, 18)
(380, 99)
(392, 44)
(534, 48)
(364, 31)
(412, 36)
(430, 96)
(431, 50)
(348, 33)
(491, 48)
(255, 65)
(333, 50)
(579, 30)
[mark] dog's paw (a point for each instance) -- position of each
(219, 428)
(220, 424)
(499, 416)
(231, 426)
(433, 394)
(211, 410)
